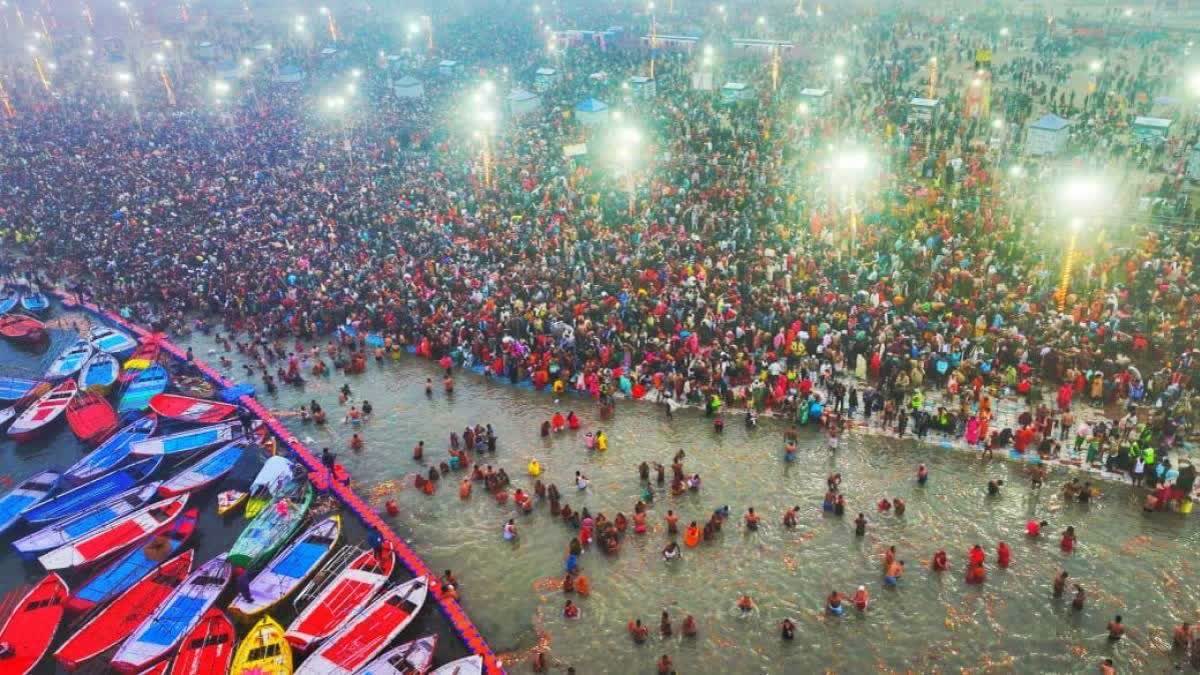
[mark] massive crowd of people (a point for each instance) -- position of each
(728, 261)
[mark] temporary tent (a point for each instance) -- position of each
(922, 110)
(591, 111)
(408, 87)
(1047, 135)
(523, 102)
(290, 73)
(733, 92)
(815, 99)
(449, 68)
(1151, 130)
(228, 70)
(642, 86)
(545, 78)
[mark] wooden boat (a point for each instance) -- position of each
(9, 299)
(344, 592)
(364, 636)
(277, 476)
(194, 385)
(143, 357)
(126, 612)
(112, 451)
(100, 373)
(13, 388)
(228, 500)
(70, 360)
(66, 531)
(208, 648)
(188, 409)
(127, 569)
(468, 665)
(204, 471)
(31, 626)
(43, 411)
(145, 386)
(35, 301)
(289, 568)
(99, 489)
(111, 340)
(264, 651)
(26, 495)
(92, 418)
(23, 329)
(410, 658)
(158, 634)
(111, 538)
(270, 529)
(189, 440)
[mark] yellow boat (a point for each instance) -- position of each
(230, 500)
(264, 651)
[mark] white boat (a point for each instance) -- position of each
(189, 440)
(368, 633)
(110, 340)
(289, 568)
(276, 478)
(67, 531)
(176, 617)
(408, 658)
(116, 535)
(70, 360)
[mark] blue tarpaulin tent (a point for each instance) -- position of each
(591, 111)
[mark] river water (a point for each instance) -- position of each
(214, 535)
(1130, 563)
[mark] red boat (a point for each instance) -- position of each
(188, 409)
(92, 418)
(208, 649)
(118, 620)
(159, 668)
(43, 411)
(21, 328)
(32, 625)
(341, 598)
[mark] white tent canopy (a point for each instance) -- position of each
(523, 102)
(408, 87)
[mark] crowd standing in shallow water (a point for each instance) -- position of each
(731, 282)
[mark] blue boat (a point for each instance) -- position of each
(111, 340)
(112, 452)
(9, 300)
(77, 526)
(35, 301)
(70, 360)
(73, 501)
(188, 441)
(128, 569)
(26, 495)
(13, 388)
(204, 471)
(149, 383)
(99, 373)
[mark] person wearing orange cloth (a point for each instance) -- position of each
(582, 586)
(862, 599)
(639, 523)
(572, 420)
(976, 574)
(691, 536)
(940, 562)
(1003, 554)
(1033, 528)
(558, 422)
(637, 631)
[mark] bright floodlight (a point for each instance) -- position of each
(124, 77)
(351, 89)
(123, 5)
(324, 10)
(1004, 31)
(1081, 192)
(630, 136)
(1016, 171)
(1095, 66)
(334, 102)
(650, 5)
(851, 161)
(997, 123)
(247, 62)
(159, 57)
(708, 50)
(300, 18)
(536, 9)
(489, 86)
(220, 87)
(356, 73)
(762, 20)
(1128, 11)
(485, 116)
(414, 28)
(802, 109)
(721, 8)
(618, 115)
(839, 61)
